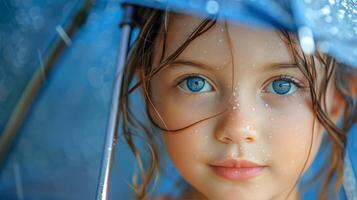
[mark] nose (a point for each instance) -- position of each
(237, 125)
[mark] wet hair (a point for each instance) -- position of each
(139, 67)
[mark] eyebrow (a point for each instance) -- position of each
(269, 66)
(277, 66)
(192, 64)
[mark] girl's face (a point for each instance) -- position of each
(258, 145)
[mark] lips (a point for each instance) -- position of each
(237, 169)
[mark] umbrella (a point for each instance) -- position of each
(101, 80)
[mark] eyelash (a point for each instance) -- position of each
(298, 83)
(289, 78)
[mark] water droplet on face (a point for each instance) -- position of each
(234, 107)
(196, 131)
(220, 40)
(232, 155)
(266, 105)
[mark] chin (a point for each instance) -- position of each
(241, 194)
(234, 196)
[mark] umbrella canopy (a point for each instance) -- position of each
(58, 148)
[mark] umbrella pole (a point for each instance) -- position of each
(109, 146)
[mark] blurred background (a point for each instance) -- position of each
(57, 150)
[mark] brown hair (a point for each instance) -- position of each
(153, 23)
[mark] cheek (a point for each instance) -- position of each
(293, 133)
(188, 151)
(184, 147)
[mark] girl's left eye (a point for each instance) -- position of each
(283, 86)
(195, 84)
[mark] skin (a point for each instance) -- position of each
(277, 131)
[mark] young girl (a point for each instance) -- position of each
(241, 110)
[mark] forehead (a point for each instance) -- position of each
(226, 42)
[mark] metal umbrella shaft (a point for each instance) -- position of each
(109, 146)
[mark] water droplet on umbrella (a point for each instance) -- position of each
(306, 40)
(64, 35)
(212, 7)
(328, 19)
(334, 30)
(325, 10)
(341, 13)
(18, 182)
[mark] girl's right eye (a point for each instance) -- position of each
(195, 84)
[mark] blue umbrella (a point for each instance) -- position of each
(294, 16)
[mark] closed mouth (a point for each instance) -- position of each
(237, 169)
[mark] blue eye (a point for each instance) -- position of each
(282, 86)
(195, 84)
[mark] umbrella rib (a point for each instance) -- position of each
(27, 98)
